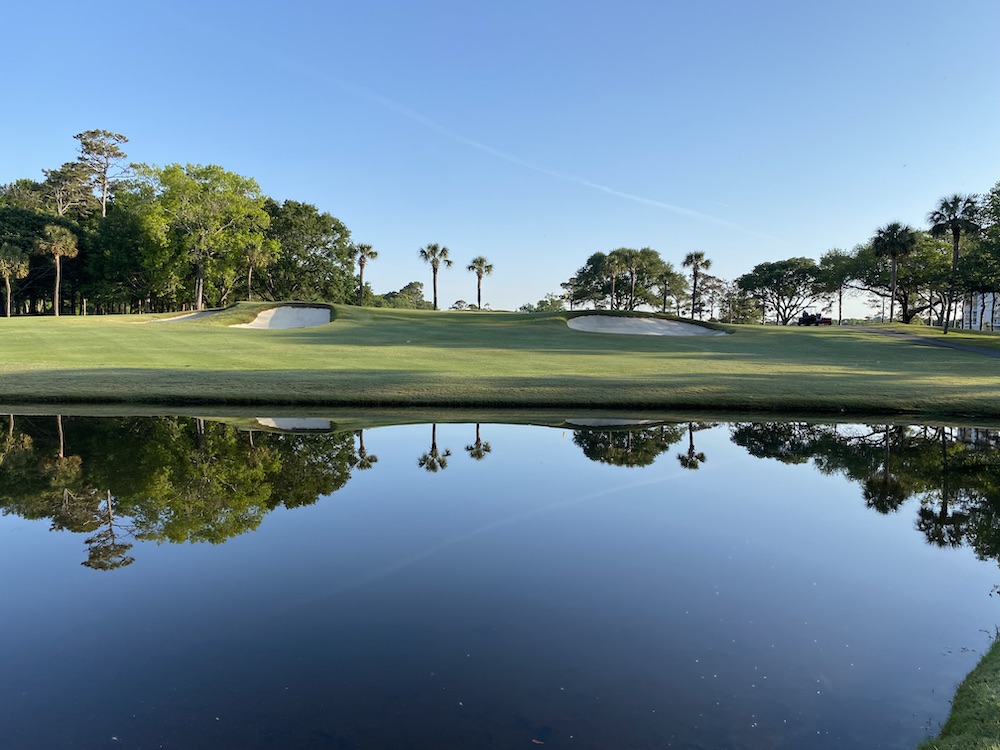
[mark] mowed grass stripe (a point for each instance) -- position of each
(407, 357)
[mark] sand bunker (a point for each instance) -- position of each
(289, 317)
(638, 326)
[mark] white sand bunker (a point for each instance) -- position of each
(289, 317)
(638, 326)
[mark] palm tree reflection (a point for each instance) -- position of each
(478, 449)
(691, 460)
(434, 460)
(364, 459)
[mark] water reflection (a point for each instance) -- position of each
(479, 448)
(162, 479)
(623, 446)
(434, 460)
(954, 472)
(538, 585)
(196, 480)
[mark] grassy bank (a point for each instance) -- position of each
(974, 721)
(376, 357)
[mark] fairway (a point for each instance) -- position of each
(385, 357)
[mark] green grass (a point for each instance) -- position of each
(408, 358)
(974, 721)
(981, 339)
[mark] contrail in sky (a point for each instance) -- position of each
(363, 93)
(394, 106)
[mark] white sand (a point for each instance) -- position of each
(289, 317)
(639, 326)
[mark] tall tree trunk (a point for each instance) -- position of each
(892, 285)
(479, 291)
(55, 298)
(199, 287)
(199, 281)
(694, 289)
(951, 283)
(435, 274)
(361, 283)
(6, 281)
(249, 282)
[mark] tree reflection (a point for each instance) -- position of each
(161, 479)
(627, 446)
(169, 479)
(107, 550)
(692, 459)
(885, 491)
(434, 461)
(478, 449)
(364, 459)
(954, 473)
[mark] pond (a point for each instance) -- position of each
(288, 583)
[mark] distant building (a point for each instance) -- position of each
(979, 311)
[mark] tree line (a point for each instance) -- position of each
(103, 235)
(920, 273)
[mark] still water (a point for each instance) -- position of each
(182, 583)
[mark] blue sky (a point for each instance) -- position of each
(534, 133)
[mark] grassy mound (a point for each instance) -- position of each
(974, 722)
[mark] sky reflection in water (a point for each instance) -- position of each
(530, 595)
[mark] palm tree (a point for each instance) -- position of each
(954, 215)
(60, 243)
(434, 460)
(697, 262)
(364, 254)
(894, 241)
(482, 267)
(435, 255)
(13, 265)
(480, 448)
